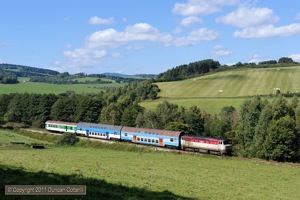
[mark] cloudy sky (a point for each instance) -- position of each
(145, 36)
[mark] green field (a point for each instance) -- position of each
(121, 174)
(209, 105)
(46, 88)
(236, 85)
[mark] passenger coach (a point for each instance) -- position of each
(163, 138)
(62, 127)
(102, 131)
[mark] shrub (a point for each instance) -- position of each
(67, 139)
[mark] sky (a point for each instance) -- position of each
(145, 37)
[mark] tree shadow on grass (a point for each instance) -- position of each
(96, 189)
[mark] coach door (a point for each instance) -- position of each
(134, 138)
(161, 142)
(87, 133)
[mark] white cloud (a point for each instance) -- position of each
(201, 7)
(256, 59)
(295, 57)
(188, 21)
(141, 28)
(85, 57)
(137, 36)
(202, 34)
(97, 20)
(85, 53)
(110, 38)
(96, 45)
(218, 47)
(249, 17)
(268, 31)
(220, 52)
(177, 30)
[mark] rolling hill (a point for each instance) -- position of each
(214, 91)
(235, 83)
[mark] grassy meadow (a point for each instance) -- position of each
(111, 173)
(236, 85)
(209, 105)
(46, 88)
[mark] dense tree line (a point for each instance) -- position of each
(188, 70)
(269, 130)
(65, 80)
(105, 107)
(8, 78)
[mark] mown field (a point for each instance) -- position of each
(111, 173)
(45, 88)
(235, 83)
(236, 86)
(209, 105)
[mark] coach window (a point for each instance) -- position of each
(142, 139)
(125, 134)
(138, 139)
(171, 139)
(152, 140)
(156, 141)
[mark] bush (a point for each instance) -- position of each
(67, 139)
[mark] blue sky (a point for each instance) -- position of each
(150, 36)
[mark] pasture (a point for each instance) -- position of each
(209, 105)
(111, 173)
(214, 91)
(46, 88)
(235, 83)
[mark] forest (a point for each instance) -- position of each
(261, 128)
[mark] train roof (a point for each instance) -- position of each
(204, 137)
(152, 131)
(99, 126)
(61, 123)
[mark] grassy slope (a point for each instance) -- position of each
(237, 85)
(210, 105)
(122, 174)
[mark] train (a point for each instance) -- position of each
(146, 136)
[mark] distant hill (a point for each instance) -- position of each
(25, 71)
(10, 72)
(138, 76)
(235, 83)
